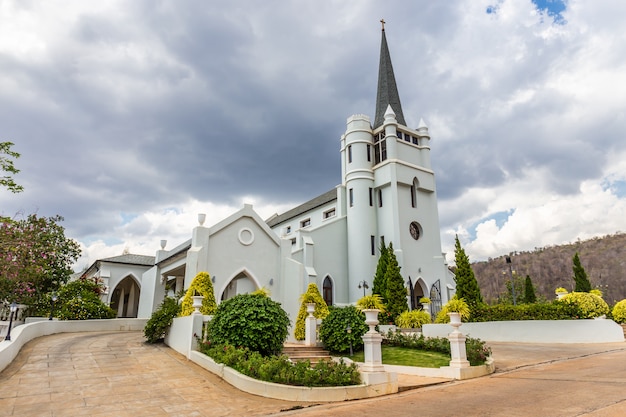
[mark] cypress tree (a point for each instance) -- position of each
(529, 291)
(466, 284)
(580, 276)
(396, 291)
(379, 285)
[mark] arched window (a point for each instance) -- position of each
(414, 193)
(327, 291)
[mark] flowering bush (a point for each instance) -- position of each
(619, 311)
(590, 304)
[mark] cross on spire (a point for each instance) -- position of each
(382, 21)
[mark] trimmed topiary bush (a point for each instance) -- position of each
(80, 300)
(161, 320)
(251, 321)
(312, 295)
(553, 310)
(454, 305)
(590, 305)
(333, 329)
(619, 312)
(201, 285)
(413, 319)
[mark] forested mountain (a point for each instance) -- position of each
(604, 260)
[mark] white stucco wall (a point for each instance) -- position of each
(536, 331)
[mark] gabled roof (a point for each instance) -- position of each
(318, 201)
(387, 93)
(130, 258)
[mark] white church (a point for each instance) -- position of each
(386, 194)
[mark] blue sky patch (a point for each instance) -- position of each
(552, 8)
(500, 217)
(617, 187)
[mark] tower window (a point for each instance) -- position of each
(351, 197)
(380, 198)
(373, 245)
(349, 153)
(305, 222)
(413, 202)
(371, 197)
(399, 134)
(369, 153)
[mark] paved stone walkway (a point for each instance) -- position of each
(116, 374)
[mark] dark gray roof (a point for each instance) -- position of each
(318, 201)
(129, 258)
(387, 93)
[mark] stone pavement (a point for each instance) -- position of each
(117, 374)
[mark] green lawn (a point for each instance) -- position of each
(393, 355)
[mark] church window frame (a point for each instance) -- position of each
(305, 223)
(349, 154)
(329, 213)
(351, 197)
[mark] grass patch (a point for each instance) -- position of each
(393, 355)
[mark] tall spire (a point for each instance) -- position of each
(387, 94)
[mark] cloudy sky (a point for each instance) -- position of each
(134, 116)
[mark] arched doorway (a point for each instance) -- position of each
(241, 284)
(417, 293)
(125, 298)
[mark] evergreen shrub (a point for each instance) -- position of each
(201, 285)
(590, 305)
(161, 319)
(413, 319)
(619, 312)
(333, 329)
(553, 310)
(251, 321)
(312, 295)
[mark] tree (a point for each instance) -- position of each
(396, 291)
(379, 285)
(35, 251)
(515, 282)
(6, 165)
(529, 291)
(580, 276)
(466, 284)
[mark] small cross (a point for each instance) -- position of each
(383, 23)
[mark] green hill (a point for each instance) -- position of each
(604, 260)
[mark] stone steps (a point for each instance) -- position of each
(299, 353)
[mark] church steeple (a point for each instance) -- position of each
(387, 94)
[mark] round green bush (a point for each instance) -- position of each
(590, 304)
(201, 285)
(619, 311)
(252, 321)
(333, 329)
